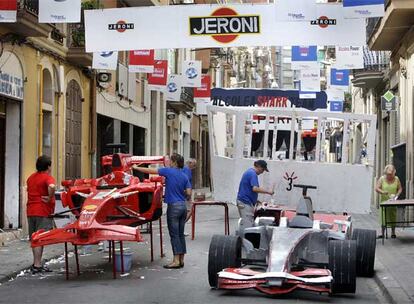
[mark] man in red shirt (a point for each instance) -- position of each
(40, 204)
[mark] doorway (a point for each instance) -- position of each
(73, 136)
(2, 165)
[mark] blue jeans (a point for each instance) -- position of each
(176, 215)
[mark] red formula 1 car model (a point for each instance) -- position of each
(108, 208)
(293, 249)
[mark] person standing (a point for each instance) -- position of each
(248, 193)
(389, 187)
(188, 170)
(40, 205)
(177, 191)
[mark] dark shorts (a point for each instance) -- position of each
(38, 222)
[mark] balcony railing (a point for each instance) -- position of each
(371, 26)
(76, 35)
(76, 45)
(31, 6)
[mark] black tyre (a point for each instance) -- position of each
(366, 243)
(224, 252)
(342, 264)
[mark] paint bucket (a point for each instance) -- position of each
(127, 261)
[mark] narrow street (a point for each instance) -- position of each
(151, 283)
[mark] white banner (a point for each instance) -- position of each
(201, 105)
(173, 88)
(297, 10)
(310, 81)
(349, 57)
(198, 26)
(364, 8)
(8, 10)
(105, 60)
(191, 74)
(335, 94)
(60, 11)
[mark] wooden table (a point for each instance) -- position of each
(209, 203)
(393, 203)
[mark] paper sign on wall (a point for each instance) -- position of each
(304, 57)
(349, 57)
(173, 89)
(59, 11)
(105, 60)
(141, 61)
(157, 80)
(191, 72)
(363, 8)
(8, 10)
(298, 10)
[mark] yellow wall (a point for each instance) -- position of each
(34, 63)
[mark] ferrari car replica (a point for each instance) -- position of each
(108, 208)
(293, 249)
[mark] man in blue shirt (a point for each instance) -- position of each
(191, 165)
(188, 169)
(248, 193)
(177, 191)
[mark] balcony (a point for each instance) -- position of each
(76, 45)
(27, 21)
(136, 3)
(186, 103)
(390, 29)
(376, 66)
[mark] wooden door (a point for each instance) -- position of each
(73, 136)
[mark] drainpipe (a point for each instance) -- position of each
(93, 125)
(40, 109)
(57, 115)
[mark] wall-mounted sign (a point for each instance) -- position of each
(105, 60)
(349, 57)
(157, 80)
(8, 10)
(363, 8)
(173, 88)
(141, 61)
(60, 11)
(11, 86)
(388, 102)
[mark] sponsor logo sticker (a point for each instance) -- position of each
(224, 25)
(121, 26)
(323, 22)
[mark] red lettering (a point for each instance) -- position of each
(284, 102)
(259, 101)
(271, 102)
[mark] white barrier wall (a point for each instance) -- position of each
(342, 186)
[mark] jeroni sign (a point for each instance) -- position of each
(11, 86)
(198, 26)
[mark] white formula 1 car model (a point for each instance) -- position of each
(293, 249)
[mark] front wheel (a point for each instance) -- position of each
(342, 264)
(224, 252)
(366, 241)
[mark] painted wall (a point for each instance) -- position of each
(342, 187)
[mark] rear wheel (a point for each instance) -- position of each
(366, 241)
(224, 252)
(342, 264)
